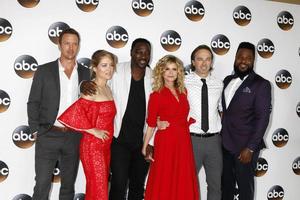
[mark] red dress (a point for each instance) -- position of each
(172, 175)
(94, 153)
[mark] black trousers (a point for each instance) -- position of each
(49, 148)
(129, 170)
(234, 172)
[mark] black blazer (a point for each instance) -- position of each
(44, 97)
(245, 120)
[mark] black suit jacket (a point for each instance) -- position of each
(245, 120)
(44, 97)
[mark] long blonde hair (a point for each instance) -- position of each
(159, 69)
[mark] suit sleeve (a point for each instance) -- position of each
(34, 101)
(262, 111)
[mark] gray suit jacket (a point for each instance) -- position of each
(44, 97)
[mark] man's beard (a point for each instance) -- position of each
(242, 74)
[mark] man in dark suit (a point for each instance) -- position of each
(54, 88)
(246, 110)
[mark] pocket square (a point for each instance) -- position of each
(247, 90)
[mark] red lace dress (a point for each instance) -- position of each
(94, 153)
(172, 175)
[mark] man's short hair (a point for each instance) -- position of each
(247, 45)
(68, 31)
(140, 40)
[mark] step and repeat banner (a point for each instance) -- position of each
(29, 30)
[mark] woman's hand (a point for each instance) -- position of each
(101, 134)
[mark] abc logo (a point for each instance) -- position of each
(5, 30)
(170, 40)
(56, 173)
(275, 193)
(280, 137)
(296, 166)
(265, 48)
(188, 69)
(22, 197)
(220, 44)
(25, 66)
(285, 20)
(86, 62)
(3, 171)
(194, 10)
(283, 79)
(28, 4)
(261, 167)
(55, 29)
(87, 5)
(79, 196)
(4, 101)
(142, 8)
(22, 137)
(242, 15)
(117, 36)
(298, 109)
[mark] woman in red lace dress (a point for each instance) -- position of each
(172, 173)
(93, 116)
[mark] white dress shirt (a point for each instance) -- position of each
(193, 85)
(231, 88)
(68, 89)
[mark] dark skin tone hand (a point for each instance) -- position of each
(245, 156)
(149, 153)
(88, 88)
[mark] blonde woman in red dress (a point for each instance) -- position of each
(172, 172)
(93, 116)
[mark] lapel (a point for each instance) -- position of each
(56, 77)
(80, 73)
(239, 91)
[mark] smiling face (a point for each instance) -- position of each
(202, 62)
(244, 61)
(170, 73)
(105, 68)
(140, 55)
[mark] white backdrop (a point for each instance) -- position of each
(24, 43)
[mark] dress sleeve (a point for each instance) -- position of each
(76, 116)
(153, 106)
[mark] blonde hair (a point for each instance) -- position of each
(98, 56)
(160, 68)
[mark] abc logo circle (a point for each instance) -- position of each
(242, 15)
(55, 30)
(79, 196)
(142, 8)
(296, 166)
(220, 44)
(22, 137)
(285, 20)
(261, 167)
(298, 109)
(194, 10)
(5, 30)
(280, 137)
(56, 173)
(117, 37)
(22, 197)
(86, 62)
(28, 3)
(4, 101)
(25, 66)
(265, 48)
(275, 193)
(87, 5)
(170, 40)
(283, 79)
(188, 69)
(4, 171)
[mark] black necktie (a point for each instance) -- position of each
(204, 106)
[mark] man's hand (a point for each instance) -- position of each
(162, 125)
(245, 156)
(88, 88)
(148, 153)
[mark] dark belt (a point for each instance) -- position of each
(60, 129)
(204, 135)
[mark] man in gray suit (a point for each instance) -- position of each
(54, 88)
